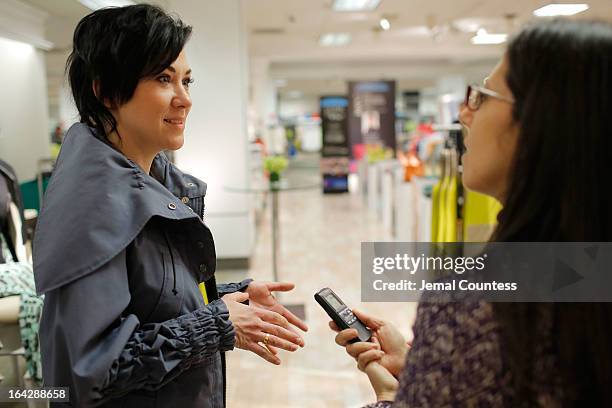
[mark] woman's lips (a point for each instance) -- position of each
(176, 122)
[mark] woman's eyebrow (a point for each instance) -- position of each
(172, 69)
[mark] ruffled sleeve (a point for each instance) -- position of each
(90, 346)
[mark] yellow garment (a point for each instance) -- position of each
(450, 210)
(479, 216)
(441, 234)
(435, 210)
(55, 149)
(202, 287)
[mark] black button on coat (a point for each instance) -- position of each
(120, 257)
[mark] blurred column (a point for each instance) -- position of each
(264, 101)
(216, 145)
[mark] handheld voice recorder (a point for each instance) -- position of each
(341, 314)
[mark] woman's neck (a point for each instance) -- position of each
(132, 151)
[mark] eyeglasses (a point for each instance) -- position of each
(476, 95)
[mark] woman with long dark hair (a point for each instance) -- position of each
(539, 139)
(132, 314)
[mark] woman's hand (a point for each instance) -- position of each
(387, 346)
(258, 330)
(260, 295)
(384, 383)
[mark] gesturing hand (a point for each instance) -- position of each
(260, 295)
(254, 325)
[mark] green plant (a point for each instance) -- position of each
(275, 164)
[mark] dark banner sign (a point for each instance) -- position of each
(335, 151)
(371, 114)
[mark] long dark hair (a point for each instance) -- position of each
(560, 74)
(116, 47)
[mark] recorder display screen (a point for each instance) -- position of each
(331, 299)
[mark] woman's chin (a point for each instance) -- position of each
(467, 179)
(176, 142)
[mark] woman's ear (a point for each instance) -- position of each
(95, 86)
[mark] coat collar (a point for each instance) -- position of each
(98, 201)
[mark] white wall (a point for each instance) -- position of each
(216, 135)
(23, 107)
(263, 93)
(305, 105)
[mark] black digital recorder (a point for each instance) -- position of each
(341, 314)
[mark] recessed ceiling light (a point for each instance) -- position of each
(416, 31)
(24, 43)
(334, 39)
(14, 47)
(384, 24)
(471, 25)
(555, 9)
(355, 5)
(98, 4)
(484, 38)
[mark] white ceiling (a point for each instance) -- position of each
(408, 52)
(413, 21)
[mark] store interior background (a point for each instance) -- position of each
(259, 66)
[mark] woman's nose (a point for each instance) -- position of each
(465, 116)
(182, 99)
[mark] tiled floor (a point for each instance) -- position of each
(320, 246)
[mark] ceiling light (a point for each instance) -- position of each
(484, 38)
(98, 4)
(384, 24)
(355, 5)
(471, 25)
(555, 9)
(334, 39)
(25, 41)
(417, 31)
(15, 48)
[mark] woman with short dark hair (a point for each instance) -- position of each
(132, 313)
(539, 139)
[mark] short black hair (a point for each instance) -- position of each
(116, 47)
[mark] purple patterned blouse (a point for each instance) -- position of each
(456, 360)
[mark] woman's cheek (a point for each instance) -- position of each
(467, 176)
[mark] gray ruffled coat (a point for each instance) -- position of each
(120, 255)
